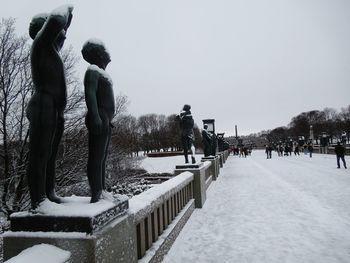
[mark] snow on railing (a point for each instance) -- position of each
(41, 253)
(155, 209)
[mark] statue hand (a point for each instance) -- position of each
(70, 16)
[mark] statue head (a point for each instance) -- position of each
(36, 24)
(95, 52)
(205, 126)
(186, 107)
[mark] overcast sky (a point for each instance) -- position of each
(252, 63)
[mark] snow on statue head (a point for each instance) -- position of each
(94, 51)
(36, 24)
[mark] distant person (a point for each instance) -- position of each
(310, 149)
(268, 151)
(245, 151)
(340, 153)
(296, 149)
(286, 150)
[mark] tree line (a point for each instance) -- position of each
(329, 121)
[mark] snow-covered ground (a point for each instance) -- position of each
(165, 164)
(285, 209)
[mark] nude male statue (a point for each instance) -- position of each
(46, 106)
(187, 136)
(100, 102)
(207, 141)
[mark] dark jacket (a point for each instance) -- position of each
(339, 150)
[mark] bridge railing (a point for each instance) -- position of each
(154, 210)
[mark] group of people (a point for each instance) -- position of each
(287, 150)
(242, 151)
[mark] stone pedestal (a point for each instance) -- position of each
(98, 232)
(221, 159)
(25, 221)
(214, 168)
(199, 171)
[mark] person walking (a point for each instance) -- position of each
(340, 153)
(268, 151)
(310, 149)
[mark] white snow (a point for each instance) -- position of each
(73, 206)
(62, 10)
(41, 253)
(101, 71)
(40, 234)
(141, 204)
(41, 15)
(165, 164)
(285, 209)
(97, 42)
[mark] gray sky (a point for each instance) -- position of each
(252, 63)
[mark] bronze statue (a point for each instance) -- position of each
(46, 106)
(214, 144)
(207, 141)
(101, 106)
(187, 136)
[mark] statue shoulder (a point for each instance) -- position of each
(96, 72)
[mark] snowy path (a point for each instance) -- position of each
(286, 209)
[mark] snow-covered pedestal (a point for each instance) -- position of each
(214, 167)
(200, 172)
(98, 232)
(76, 214)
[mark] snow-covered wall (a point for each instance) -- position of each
(141, 205)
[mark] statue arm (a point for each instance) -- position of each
(91, 84)
(59, 19)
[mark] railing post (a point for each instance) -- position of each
(214, 169)
(198, 170)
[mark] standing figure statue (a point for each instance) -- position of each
(99, 99)
(46, 106)
(187, 136)
(207, 141)
(214, 144)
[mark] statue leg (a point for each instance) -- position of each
(51, 166)
(104, 160)
(185, 146)
(41, 115)
(193, 150)
(97, 149)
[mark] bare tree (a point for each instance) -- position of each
(15, 88)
